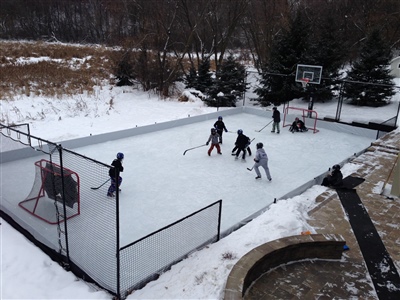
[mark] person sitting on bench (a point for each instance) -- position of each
(333, 179)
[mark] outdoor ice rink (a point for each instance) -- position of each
(161, 185)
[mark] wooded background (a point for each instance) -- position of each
(161, 42)
(204, 27)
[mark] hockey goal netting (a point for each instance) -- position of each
(52, 187)
(309, 117)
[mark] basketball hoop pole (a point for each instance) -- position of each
(304, 82)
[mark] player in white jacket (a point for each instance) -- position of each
(261, 159)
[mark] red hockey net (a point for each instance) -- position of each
(309, 117)
(53, 185)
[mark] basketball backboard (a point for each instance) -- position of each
(310, 72)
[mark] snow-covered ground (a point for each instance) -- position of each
(27, 273)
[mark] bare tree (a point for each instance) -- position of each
(223, 21)
(264, 19)
(193, 29)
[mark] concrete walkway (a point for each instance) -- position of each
(348, 278)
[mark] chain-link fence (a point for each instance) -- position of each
(144, 260)
(344, 110)
(13, 139)
(54, 196)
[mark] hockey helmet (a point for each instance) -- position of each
(259, 145)
(297, 119)
(336, 167)
(240, 131)
(220, 118)
(120, 155)
(213, 130)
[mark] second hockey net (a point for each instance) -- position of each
(309, 117)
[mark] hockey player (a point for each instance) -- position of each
(214, 139)
(276, 116)
(333, 179)
(235, 148)
(242, 143)
(298, 125)
(220, 127)
(114, 174)
(261, 159)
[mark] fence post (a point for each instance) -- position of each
(340, 103)
(397, 115)
(117, 246)
(66, 264)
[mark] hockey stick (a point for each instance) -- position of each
(193, 148)
(96, 188)
(250, 169)
(264, 126)
(387, 179)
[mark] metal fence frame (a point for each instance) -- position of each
(178, 253)
(71, 240)
(58, 152)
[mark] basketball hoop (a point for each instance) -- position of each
(304, 82)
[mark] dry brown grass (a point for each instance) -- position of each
(57, 70)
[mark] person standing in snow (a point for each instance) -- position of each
(242, 143)
(219, 125)
(261, 159)
(276, 116)
(114, 172)
(214, 139)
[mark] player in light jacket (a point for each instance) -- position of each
(261, 159)
(214, 139)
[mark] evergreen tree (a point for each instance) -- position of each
(124, 70)
(229, 86)
(191, 78)
(372, 70)
(329, 53)
(277, 84)
(204, 76)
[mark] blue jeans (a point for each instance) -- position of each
(113, 186)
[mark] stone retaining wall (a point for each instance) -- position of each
(278, 252)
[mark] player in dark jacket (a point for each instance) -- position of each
(276, 116)
(114, 174)
(242, 142)
(334, 179)
(235, 148)
(220, 127)
(298, 125)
